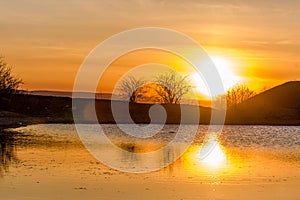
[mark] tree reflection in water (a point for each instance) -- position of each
(7, 151)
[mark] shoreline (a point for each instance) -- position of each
(8, 123)
(18, 110)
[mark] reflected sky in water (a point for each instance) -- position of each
(46, 161)
(226, 154)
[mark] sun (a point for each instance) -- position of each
(228, 77)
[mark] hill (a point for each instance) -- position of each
(278, 105)
(106, 96)
(23, 109)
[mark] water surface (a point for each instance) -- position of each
(248, 162)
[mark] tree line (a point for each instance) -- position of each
(169, 87)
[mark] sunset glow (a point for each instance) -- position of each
(48, 52)
(227, 75)
(150, 99)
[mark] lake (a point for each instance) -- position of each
(49, 161)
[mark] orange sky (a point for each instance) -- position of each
(46, 41)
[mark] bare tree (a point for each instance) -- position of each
(171, 87)
(238, 94)
(130, 88)
(8, 82)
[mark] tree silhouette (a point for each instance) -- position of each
(8, 82)
(171, 87)
(238, 94)
(130, 88)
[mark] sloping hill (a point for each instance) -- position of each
(22, 109)
(106, 96)
(279, 105)
(286, 95)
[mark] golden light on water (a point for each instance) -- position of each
(208, 158)
(216, 158)
(211, 155)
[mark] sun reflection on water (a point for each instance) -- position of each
(216, 158)
(211, 153)
(210, 158)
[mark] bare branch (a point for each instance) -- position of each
(129, 88)
(238, 94)
(171, 87)
(8, 83)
